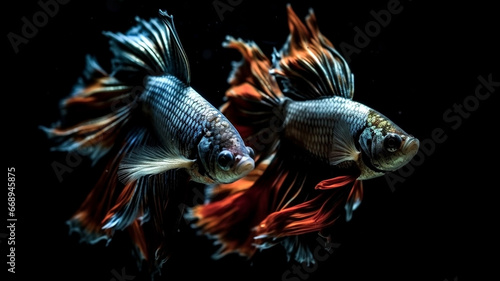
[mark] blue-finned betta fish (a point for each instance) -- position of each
(314, 145)
(153, 132)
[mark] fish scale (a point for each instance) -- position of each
(181, 116)
(311, 123)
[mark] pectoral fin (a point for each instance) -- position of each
(343, 148)
(151, 161)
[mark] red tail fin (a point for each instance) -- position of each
(232, 217)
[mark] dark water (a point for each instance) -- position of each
(432, 68)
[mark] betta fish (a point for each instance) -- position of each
(314, 146)
(153, 133)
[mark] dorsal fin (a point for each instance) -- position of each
(150, 48)
(308, 66)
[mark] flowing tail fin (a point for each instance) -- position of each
(93, 114)
(103, 116)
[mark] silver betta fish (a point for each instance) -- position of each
(154, 132)
(314, 146)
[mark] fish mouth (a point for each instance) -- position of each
(244, 166)
(411, 146)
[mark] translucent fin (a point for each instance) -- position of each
(93, 114)
(354, 199)
(87, 221)
(343, 147)
(146, 161)
(305, 217)
(308, 66)
(148, 204)
(304, 248)
(150, 48)
(336, 182)
(137, 236)
(297, 249)
(254, 104)
(280, 204)
(230, 219)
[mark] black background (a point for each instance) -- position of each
(438, 224)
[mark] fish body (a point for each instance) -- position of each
(154, 135)
(183, 120)
(314, 146)
(316, 126)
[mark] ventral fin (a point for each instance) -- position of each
(335, 182)
(354, 199)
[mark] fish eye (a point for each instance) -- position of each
(251, 153)
(225, 160)
(392, 142)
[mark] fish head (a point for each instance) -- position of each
(385, 146)
(223, 155)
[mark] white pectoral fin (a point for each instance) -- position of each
(150, 161)
(343, 148)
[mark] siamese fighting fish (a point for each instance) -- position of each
(314, 146)
(153, 134)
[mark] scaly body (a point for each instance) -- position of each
(311, 124)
